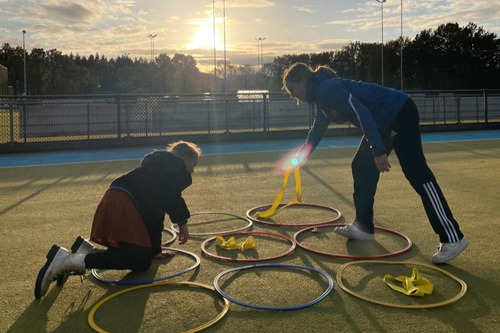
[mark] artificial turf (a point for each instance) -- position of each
(44, 205)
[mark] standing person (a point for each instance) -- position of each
(389, 120)
(129, 218)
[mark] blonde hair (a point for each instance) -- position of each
(184, 149)
(300, 71)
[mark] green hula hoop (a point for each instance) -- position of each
(402, 306)
(96, 307)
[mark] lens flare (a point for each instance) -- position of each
(293, 159)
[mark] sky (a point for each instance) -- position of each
(122, 27)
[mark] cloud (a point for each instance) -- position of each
(249, 4)
(304, 9)
(418, 15)
(68, 11)
(128, 3)
(116, 27)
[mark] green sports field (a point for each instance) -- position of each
(46, 205)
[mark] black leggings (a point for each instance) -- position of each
(125, 256)
(404, 138)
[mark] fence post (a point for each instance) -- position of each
(11, 113)
(24, 124)
(477, 110)
(88, 121)
(127, 117)
(226, 119)
(444, 109)
(458, 110)
(434, 110)
(485, 107)
(264, 112)
(147, 113)
(118, 119)
(210, 104)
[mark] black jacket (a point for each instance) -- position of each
(156, 189)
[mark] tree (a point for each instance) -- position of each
(448, 57)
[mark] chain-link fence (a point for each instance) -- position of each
(30, 119)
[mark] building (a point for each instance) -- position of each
(3, 80)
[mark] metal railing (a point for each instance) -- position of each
(39, 119)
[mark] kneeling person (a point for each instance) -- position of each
(129, 219)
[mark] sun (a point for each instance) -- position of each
(203, 38)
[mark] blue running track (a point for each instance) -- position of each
(52, 158)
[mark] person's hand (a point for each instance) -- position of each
(164, 254)
(183, 233)
(382, 163)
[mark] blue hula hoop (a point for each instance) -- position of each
(275, 308)
(137, 282)
(173, 237)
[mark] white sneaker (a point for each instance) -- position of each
(80, 246)
(448, 251)
(353, 232)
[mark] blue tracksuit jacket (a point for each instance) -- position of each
(366, 105)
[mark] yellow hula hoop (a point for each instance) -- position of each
(401, 306)
(96, 307)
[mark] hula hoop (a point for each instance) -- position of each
(173, 237)
(147, 281)
(278, 308)
(251, 212)
(94, 309)
(346, 256)
(211, 255)
(249, 224)
(402, 306)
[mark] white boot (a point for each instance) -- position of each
(59, 261)
(80, 246)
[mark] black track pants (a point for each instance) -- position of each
(404, 138)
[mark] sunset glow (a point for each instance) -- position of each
(203, 39)
(114, 28)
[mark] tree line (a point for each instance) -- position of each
(448, 57)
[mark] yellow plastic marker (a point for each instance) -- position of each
(231, 244)
(416, 285)
(249, 243)
(298, 189)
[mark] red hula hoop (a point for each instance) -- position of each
(345, 256)
(211, 255)
(252, 211)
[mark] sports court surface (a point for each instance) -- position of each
(44, 158)
(48, 198)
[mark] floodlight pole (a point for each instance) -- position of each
(401, 52)
(215, 46)
(152, 37)
(260, 56)
(225, 68)
(262, 53)
(382, 15)
(24, 56)
(258, 52)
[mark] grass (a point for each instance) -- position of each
(44, 205)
